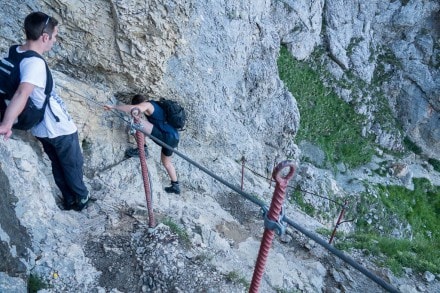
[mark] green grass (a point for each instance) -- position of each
(421, 207)
(326, 120)
(296, 198)
(35, 283)
(435, 164)
(331, 124)
(419, 248)
(411, 146)
(179, 231)
(236, 278)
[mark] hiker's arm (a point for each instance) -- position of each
(15, 107)
(127, 108)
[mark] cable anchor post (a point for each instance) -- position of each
(338, 222)
(140, 140)
(273, 220)
(243, 161)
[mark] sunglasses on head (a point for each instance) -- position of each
(45, 25)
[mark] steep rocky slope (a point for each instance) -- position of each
(219, 60)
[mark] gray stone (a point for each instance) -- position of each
(12, 284)
(428, 276)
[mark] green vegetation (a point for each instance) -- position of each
(411, 146)
(35, 284)
(278, 290)
(235, 277)
(353, 43)
(435, 164)
(179, 231)
(328, 233)
(420, 249)
(297, 199)
(398, 226)
(326, 120)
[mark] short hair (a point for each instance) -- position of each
(37, 23)
(137, 99)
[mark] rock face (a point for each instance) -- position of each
(399, 40)
(219, 60)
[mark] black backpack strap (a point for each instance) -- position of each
(49, 80)
(48, 90)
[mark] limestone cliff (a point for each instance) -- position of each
(219, 59)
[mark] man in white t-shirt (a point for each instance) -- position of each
(57, 132)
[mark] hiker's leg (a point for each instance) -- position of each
(57, 172)
(71, 160)
(166, 161)
(166, 154)
(165, 157)
(146, 125)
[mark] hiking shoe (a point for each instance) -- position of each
(174, 188)
(134, 152)
(68, 206)
(82, 203)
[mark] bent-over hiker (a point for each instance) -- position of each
(57, 132)
(155, 125)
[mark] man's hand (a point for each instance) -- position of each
(109, 107)
(5, 131)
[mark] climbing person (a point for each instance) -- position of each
(57, 131)
(156, 126)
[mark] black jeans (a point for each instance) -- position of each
(67, 166)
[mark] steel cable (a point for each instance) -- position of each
(264, 207)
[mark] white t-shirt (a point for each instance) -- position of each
(33, 70)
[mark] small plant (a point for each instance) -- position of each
(411, 146)
(353, 43)
(382, 170)
(35, 283)
(236, 278)
(280, 290)
(435, 164)
(179, 231)
(296, 198)
(323, 231)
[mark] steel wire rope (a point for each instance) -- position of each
(342, 256)
(252, 198)
(264, 207)
(309, 192)
(122, 117)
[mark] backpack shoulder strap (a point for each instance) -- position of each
(18, 57)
